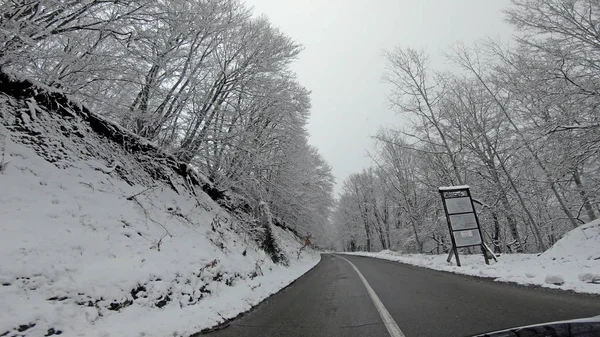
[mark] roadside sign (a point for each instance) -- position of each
(467, 238)
(463, 223)
(459, 205)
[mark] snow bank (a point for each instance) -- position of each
(573, 263)
(92, 245)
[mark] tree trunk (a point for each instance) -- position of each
(416, 232)
(140, 105)
(584, 198)
(512, 222)
(380, 226)
(510, 215)
(496, 236)
(536, 230)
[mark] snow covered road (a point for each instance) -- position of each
(331, 300)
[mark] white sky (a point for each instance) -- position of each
(342, 63)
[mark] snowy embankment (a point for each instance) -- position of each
(573, 263)
(98, 239)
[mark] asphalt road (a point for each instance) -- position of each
(331, 300)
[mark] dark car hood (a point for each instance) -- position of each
(585, 327)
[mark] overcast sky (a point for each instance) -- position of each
(342, 63)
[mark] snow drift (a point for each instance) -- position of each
(103, 234)
(572, 263)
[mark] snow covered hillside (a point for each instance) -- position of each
(101, 234)
(573, 263)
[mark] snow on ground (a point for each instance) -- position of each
(573, 263)
(84, 253)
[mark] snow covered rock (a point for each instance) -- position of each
(589, 278)
(555, 279)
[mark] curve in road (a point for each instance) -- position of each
(331, 300)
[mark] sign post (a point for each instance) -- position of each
(463, 223)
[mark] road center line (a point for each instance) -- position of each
(388, 321)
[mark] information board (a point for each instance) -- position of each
(463, 221)
(467, 238)
(459, 205)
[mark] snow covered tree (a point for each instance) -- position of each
(519, 124)
(205, 80)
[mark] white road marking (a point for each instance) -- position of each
(388, 321)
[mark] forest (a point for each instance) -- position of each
(517, 121)
(210, 83)
(205, 80)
